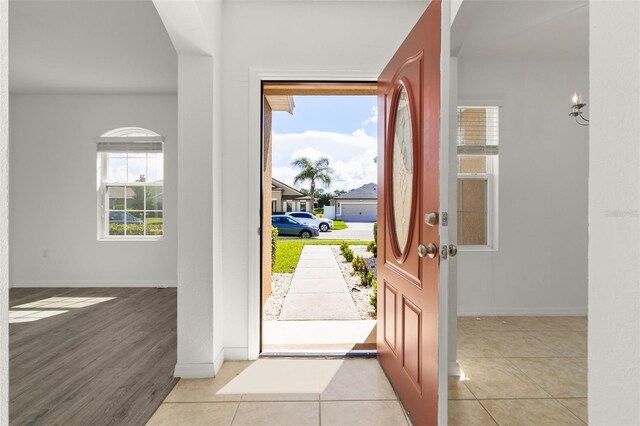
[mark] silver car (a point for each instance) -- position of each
(305, 217)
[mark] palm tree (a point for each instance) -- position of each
(313, 171)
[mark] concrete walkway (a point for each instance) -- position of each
(318, 290)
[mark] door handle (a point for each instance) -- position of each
(453, 250)
(429, 250)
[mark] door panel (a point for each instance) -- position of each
(409, 126)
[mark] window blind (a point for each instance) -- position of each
(478, 129)
(148, 144)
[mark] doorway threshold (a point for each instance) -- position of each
(319, 353)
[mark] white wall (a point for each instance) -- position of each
(4, 213)
(614, 218)
(308, 35)
(53, 192)
(195, 29)
(541, 263)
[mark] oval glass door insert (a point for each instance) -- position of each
(402, 170)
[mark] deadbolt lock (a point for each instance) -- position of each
(431, 218)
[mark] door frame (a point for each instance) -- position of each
(257, 76)
(447, 282)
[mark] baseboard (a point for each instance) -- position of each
(453, 369)
(195, 371)
(94, 283)
(522, 312)
(236, 354)
(217, 363)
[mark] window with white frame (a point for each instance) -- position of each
(131, 184)
(478, 140)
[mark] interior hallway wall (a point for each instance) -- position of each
(285, 35)
(4, 212)
(53, 192)
(540, 266)
(614, 214)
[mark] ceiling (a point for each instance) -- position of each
(122, 47)
(522, 28)
(89, 47)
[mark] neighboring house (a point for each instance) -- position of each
(287, 199)
(358, 205)
(117, 195)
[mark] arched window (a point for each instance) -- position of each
(130, 170)
(130, 132)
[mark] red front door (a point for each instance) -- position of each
(408, 262)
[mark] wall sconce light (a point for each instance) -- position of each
(576, 110)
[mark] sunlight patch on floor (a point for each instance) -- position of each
(284, 377)
(31, 316)
(64, 302)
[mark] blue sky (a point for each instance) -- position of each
(342, 128)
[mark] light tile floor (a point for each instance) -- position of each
(520, 371)
(284, 392)
(517, 371)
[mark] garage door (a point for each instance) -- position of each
(359, 212)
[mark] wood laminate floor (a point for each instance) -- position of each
(92, 356)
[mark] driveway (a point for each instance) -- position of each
(354, 231)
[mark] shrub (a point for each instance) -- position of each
(367, 278)
(373, 298)
(318, 210)
(359, 265)
(344, 247)
(346, 251)
(375, 233)
(135, 229)
(348, 255)
(274, 245)
(373, 248)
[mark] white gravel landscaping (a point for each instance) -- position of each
(280, 283)
(359, 293)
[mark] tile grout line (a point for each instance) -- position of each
(235, 413)
(570, 410)
(487, 411)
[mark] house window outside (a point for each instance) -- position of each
(478, 139)
(289, 206)
(303, 206)
(131, 184)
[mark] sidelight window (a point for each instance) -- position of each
(478, 141)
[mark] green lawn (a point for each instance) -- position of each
(339, 224)
(289, 250)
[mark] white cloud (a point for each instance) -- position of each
(310, 153)
(351, 156)
(373, 118)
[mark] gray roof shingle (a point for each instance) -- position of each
(368, 191)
